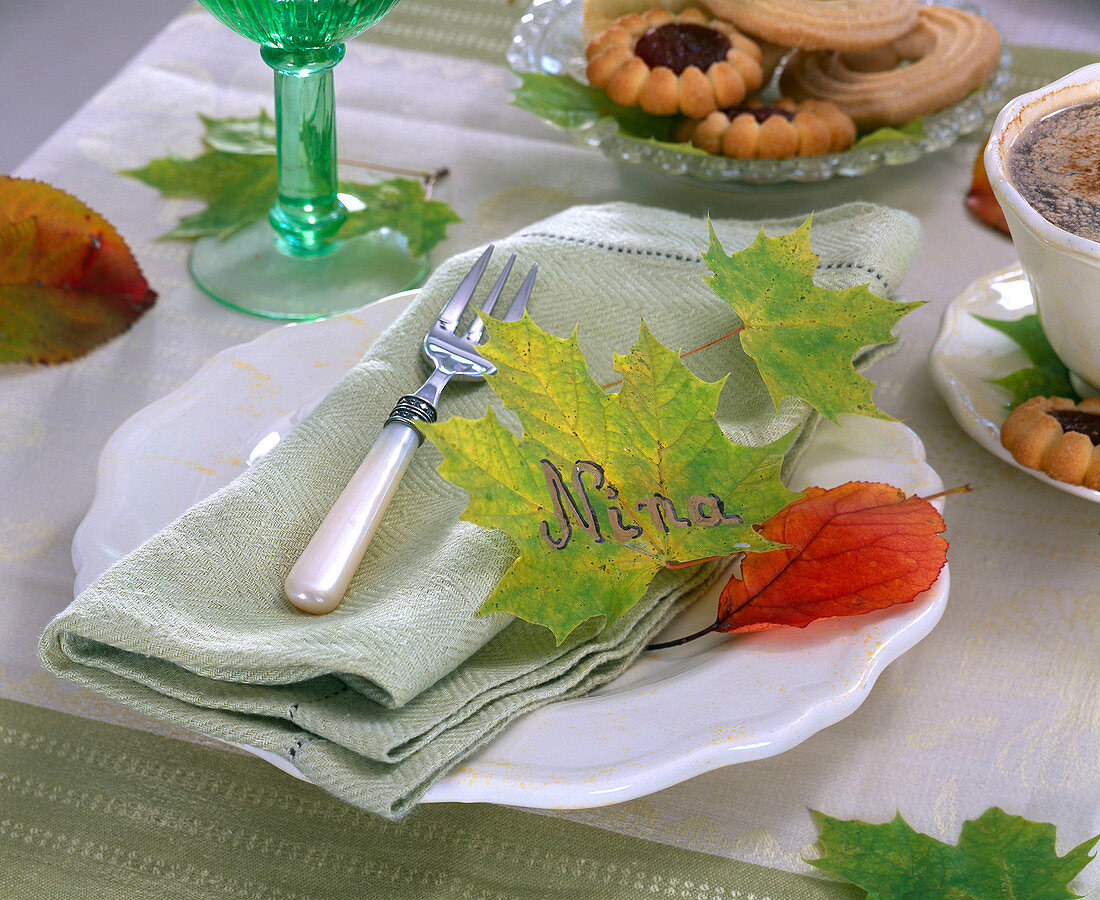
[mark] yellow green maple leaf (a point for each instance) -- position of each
(802, 337)
(602, 491)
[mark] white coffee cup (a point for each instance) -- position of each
(1063, 269)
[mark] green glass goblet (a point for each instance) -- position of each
(295, 265)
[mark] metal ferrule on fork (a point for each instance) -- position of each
(411, 409)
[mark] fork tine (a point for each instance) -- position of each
(515, 311)
(477, 327)
(465, 290)
(494, 294)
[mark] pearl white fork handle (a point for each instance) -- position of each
(320, 578)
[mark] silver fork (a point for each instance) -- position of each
(318, 581)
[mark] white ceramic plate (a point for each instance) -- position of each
(675, 714)
(548, 39)
(967, 354)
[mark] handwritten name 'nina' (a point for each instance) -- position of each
(703, 510)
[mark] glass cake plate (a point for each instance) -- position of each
(548, 39)
(674, 714)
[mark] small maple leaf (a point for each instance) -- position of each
(851, 549)
(1047, 377)
(236, 176)
(998, 855)
(68, 281)
(602, 491)
(802, 337)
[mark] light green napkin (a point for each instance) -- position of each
(375, 701)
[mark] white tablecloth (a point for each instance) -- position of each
(999, 706)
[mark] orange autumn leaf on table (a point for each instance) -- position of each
(980, 199)
(851, 549)
(68, 282)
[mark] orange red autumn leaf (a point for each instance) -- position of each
(68, 282)
(980, 199)
(850, 550)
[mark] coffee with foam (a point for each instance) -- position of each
(1055, 165)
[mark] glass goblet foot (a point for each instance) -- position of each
(295, 265)
(249, 272)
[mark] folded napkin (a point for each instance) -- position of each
(377, 700)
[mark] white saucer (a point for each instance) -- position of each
(968, 354)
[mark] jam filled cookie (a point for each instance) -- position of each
(670, 63)
(1058, 437)
(779, 131)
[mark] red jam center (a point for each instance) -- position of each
(682, 44)
(1084, 423)
(760, 113)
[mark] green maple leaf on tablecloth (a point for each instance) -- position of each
(802, 337)
(237, 190)
(236, 177)
(655, 438)
(998, 856)
(1047, 377)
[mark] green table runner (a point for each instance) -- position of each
(476, 29)
(91, 811)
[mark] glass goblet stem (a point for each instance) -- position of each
(307, 213)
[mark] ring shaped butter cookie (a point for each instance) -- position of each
(1058, 437)
(947, 55)
(778, 131)
(670, 63)
(820, 24)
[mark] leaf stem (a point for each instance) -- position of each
(429, 178)
(729, 334)
(664, 645)
(958, 489)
